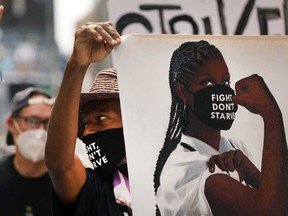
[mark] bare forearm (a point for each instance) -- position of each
(63, 124)
(253, 178)
(274, 159)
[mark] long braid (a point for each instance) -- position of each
(185, 62)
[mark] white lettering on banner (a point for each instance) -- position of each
(239, 17)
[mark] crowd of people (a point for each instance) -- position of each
(46, 177)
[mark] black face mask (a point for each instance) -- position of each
(213, 106)
(105, 149)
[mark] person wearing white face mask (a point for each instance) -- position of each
(31, 143)
(24, 182)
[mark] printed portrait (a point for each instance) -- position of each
(194, 105)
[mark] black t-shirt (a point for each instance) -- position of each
(96, 199)
(20, 195)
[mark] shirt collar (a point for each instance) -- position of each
(204, 148)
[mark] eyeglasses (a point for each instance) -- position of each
(34, 122)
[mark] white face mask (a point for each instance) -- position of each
(31, 143)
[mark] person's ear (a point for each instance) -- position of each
(10, 125)
(180, 89)
(9, 122)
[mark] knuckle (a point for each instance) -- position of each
(109, 23)
(104, 24)
(77, 32)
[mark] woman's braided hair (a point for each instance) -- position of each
(185, 62)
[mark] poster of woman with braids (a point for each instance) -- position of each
(205, 123)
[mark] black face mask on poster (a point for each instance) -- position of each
(214, 107)
(105, 149)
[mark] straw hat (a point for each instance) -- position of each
(104, 86)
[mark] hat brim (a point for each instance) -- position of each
(87, 97)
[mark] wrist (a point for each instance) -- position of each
(79, 59)
(75, 66)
